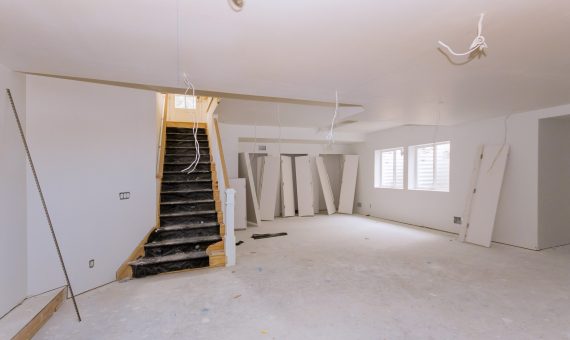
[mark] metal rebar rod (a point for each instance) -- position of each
(43, 203)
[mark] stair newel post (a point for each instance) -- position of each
(230, 239)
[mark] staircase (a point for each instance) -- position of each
(189, 233)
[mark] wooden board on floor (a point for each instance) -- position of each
(348, 184)
(287, 192)
(485, 201)
(32, 323)
(304, 178)
(326, 185)
(269, 184)
(252, 203)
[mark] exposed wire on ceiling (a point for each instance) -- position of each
(477, 46)
(330, 136)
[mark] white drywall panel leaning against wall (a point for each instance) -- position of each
(13, 167)
(269, 185)
(287, 192)
(348, 184)
(304, 175)
(484, 202)
(326, 185)
(90, 142)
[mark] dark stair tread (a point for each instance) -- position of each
(179, 163)
(185, 226)
(180, 147)
(186, 133)
(186, 181)
(184, 240)
(186, 140)
(193, 172)
(188, 213)
(185, 191)
(209, 200)
(169, 258)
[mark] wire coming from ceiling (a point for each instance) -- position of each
(330, 135)
(478, 45)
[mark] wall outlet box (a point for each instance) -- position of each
(91, 263)
(457, 220)
(124, 195)
(359, 204)
(262, 147)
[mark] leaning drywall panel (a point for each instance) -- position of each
(348, 185)
(304, 186)
(287, 192)
(269, 184)
(252, 204)
(471, 192)
(326, 185)
(240, 216)
(488, 191)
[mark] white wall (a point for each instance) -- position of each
(13, 280)
(90, 142)
(517, 216)
(554, 182)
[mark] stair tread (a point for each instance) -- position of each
(188, 213)
(183, 226)
(169, 258)
(185, 191)
(186, 140)
(193, 172)
(186, 181)
(209, 200)
(184, 240)
(178, 163)
(180, 147)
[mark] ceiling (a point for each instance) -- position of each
(382, 55)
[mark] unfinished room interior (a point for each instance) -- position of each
(271, 169)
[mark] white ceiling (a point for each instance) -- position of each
(379, 54)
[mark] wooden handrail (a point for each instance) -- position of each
(222, 158)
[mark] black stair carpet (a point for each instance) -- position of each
(188, 216)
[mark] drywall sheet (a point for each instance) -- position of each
(486, 195)
(252, 204)
(287, 192)
(304, 178)
(326, 185)
(348, 185)
(240, 214)
(269, 185)
(471, 193)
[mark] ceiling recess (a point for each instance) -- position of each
(236, 5)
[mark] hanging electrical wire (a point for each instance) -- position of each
(505, 134)
(192, 167)
(477, 46)
(330, 136)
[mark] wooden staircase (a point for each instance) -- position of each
(190, 229)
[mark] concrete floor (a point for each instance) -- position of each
(339, 277)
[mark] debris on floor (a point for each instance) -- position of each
(259, 236)
(239, 242)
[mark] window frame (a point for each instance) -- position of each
(413, 168)
(191, 98)
(378, 168)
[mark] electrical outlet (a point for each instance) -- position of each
(124, 195)
(359, 204)
(91, 263)
(457, 220)
(262, 147)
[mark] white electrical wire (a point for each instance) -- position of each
(506, 126)
(192, 167)
(330, 136)
(478, 44)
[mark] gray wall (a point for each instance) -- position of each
(554, 182)
(13, 165)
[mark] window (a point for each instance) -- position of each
(389, 168)
(429, 166)
(184, 102)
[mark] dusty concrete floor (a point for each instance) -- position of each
(340, 277)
